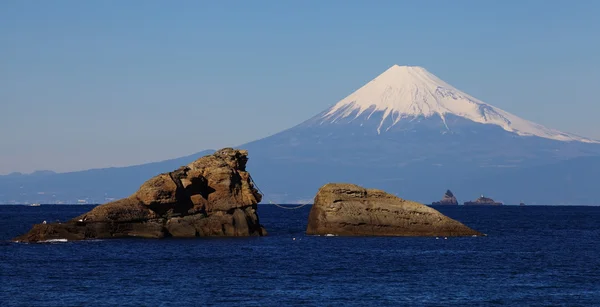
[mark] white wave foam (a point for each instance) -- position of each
(54, 241)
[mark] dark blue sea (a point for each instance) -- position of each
(531, 256)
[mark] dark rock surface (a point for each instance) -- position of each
(482, 201)
(448, 199)
(212, 196)
(350, 210)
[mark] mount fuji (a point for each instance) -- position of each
(406, 132)
(405, 93)
(410, 133)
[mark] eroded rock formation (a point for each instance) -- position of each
(212, 196)
(350, 210)
(448, 199)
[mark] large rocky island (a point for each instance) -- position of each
(350, 210)
(483, 201)
(212, 196)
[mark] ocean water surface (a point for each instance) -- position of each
(531, 256)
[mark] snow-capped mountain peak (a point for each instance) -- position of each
(406, 92)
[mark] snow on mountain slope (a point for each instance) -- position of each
(406, 92)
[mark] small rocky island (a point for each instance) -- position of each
(448, 199)
(212, 196)
(350, 210)
(482, 201)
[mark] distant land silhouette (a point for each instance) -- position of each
(406, 132)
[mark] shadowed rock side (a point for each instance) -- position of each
(350, 210)
(212, 196)
(448, 199)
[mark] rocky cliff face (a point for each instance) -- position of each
(212, 196)
(448, 199)
(350, 210)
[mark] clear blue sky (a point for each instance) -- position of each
(88, 84)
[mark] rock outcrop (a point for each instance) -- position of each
(448, 199)
(350, 210)
(483, 201)
(212, 196)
